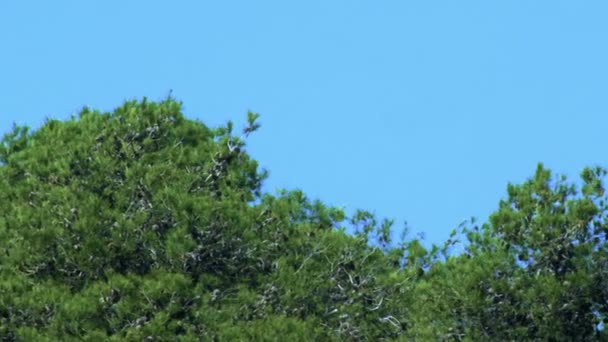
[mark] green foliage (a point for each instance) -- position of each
(537, 270)
(143, 225)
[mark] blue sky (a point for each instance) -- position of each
(417, 110)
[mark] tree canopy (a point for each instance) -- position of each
(141, 224)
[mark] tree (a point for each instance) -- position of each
(143, 225)
(537, 270)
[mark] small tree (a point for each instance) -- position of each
(537, 270)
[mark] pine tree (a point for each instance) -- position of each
(143, 225)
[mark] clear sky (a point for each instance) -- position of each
(418, 110)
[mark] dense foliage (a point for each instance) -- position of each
(143, 225)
